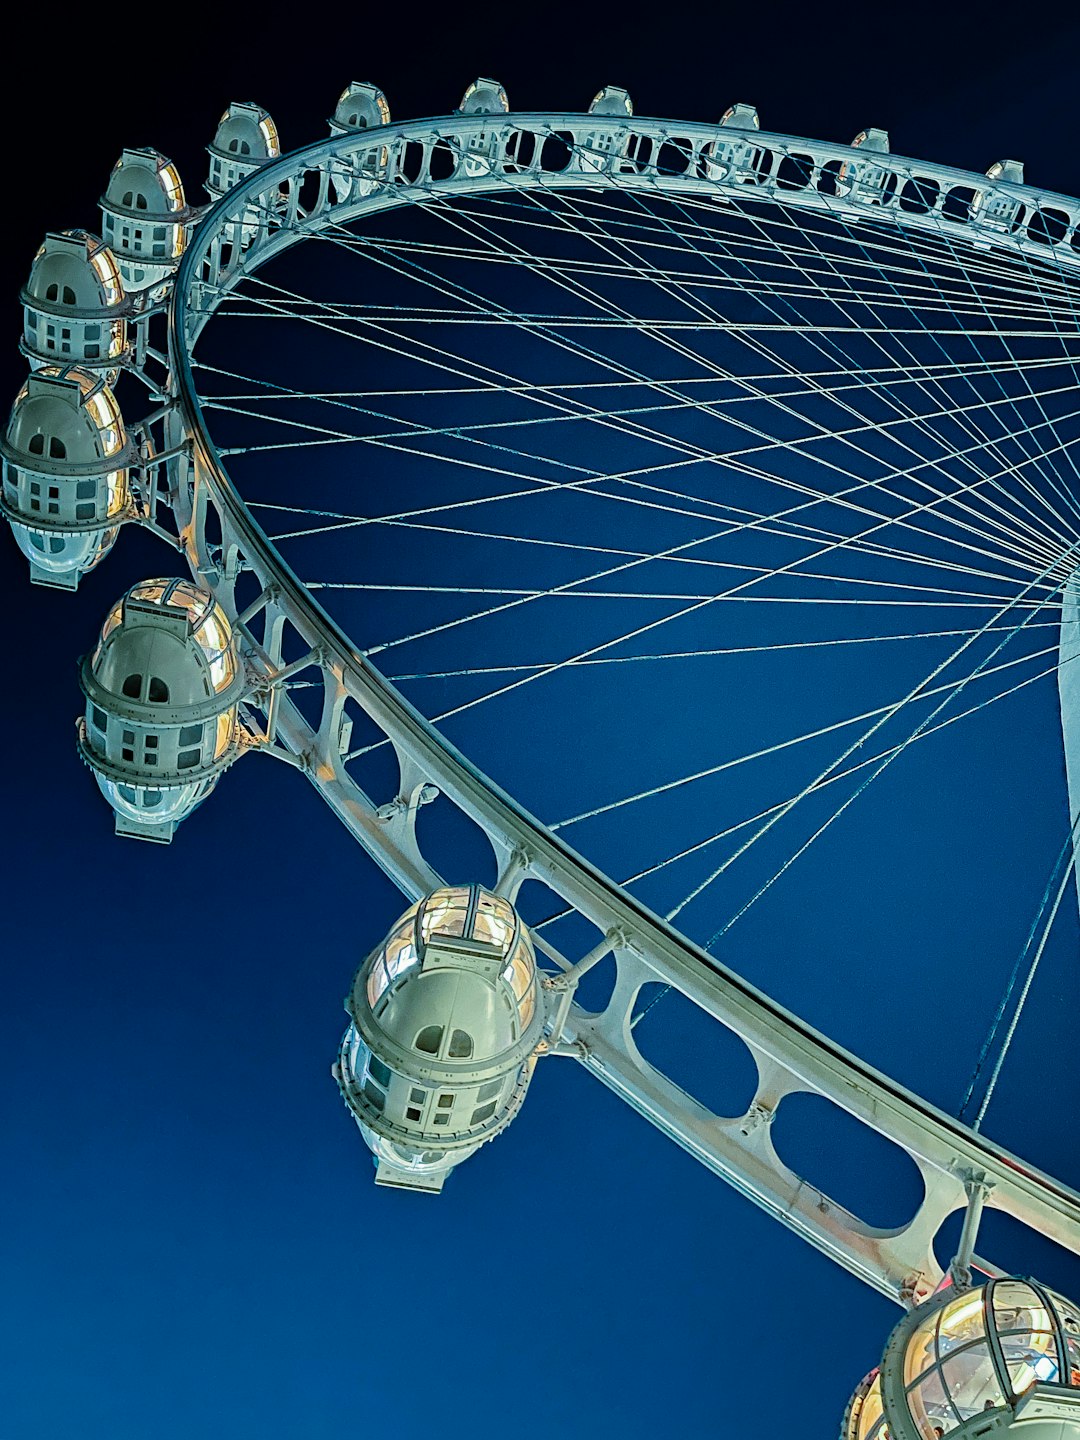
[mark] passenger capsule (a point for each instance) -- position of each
(66, 459)
(145, 219)
(996, 210)
(600, 147)
(865, 180)
(361, 107)
(1001, 1359)
(484, 97)
(445, 1019)
(246, 139)
(484, 149)
(162, 690)
(731, 158)
(74, 306)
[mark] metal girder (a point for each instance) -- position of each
(341, 179)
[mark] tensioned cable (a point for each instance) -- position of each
(749, 470)
(887, 710)
(1064, 857)
(850, 799)
(758, 522)
(551, 274)
(857, 298)
(700, 845)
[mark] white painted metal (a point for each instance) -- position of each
(392, 166)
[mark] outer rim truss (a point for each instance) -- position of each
(362, 172)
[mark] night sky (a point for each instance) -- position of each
(192, 1241)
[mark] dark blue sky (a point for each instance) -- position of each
(194, 1245)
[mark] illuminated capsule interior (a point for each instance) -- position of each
(144, 217)
(445, 1022)
(1007, 1351)
(73, 303)
(65, 473)
(162, 688)
(246, 138)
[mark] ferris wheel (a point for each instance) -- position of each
(769, 426)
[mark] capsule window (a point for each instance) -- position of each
(151, 798)
(159, 232)
(417, 1096)
(36, 445)
(411, 1113)
(91, 332)
(187, 759)
(442, 1119)
(191, 735)
(374, 1095)
(128, 196)
(379, 1070)
(429, 1039)
(128, 755)
(140, 202)
(132, 687)
(489, 1090)
(53, 292)
(69, 295)
(159, 691)
(99, 719)
(84, 511)
(92, 352)
(55, 543)
(485, 1112)
(461, 1045)
(57, 448)
(446, 1101)
(86, 490)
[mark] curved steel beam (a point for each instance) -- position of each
(342, 178)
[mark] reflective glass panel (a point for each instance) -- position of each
(971, 1382)
(870, 1419)
(930, 1407)
(444, 912)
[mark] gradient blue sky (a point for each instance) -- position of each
(193, 1242)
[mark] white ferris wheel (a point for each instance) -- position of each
(684, 483)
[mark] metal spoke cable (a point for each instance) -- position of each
(759, 224)
(655, 624)
(591, 296)
(892, 710)
(700, 845)
(886, 711)
(766, 649)
(1063, 857)
(758, 474)
(914, 360)
(778, 480)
